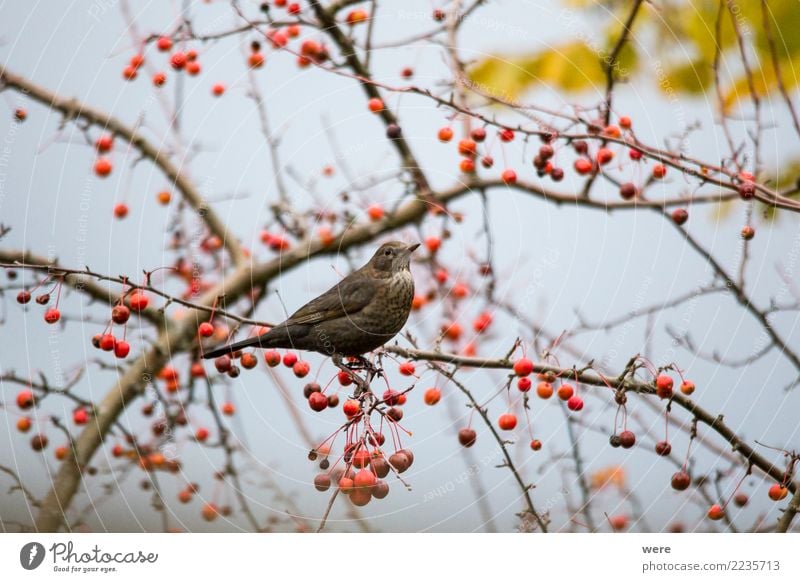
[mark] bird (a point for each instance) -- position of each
(359, 314)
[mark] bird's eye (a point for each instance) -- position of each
(388, 252)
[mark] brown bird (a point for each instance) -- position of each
(362, 312)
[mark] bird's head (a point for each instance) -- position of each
(393, 257)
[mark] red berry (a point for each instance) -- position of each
(625, 122)
(467, 437)
(193, 68)
(255, 60)
(748, 232)
(509, 177)
(583, 166)
(228, 408)
(120, 314)
(23, 297)
(322, 482)
(25, 399)
(635, 155)
(478, 134)
(432, 396)
(740, 499)
(102, 167)
(52, 315)
(289, 359)
(104, 143)
(407, 368)
(391, 397)
(524, 384)
(445, 134)
(486, 162)
(400, 461)
(218, 89)
(575, 403)
(361, 458)
(159, 79)
(467, 148)
(544, 390)
(248, 361)
(565, 392)
(130, 73)
(778, 492)
(618, 522)
(627, 439)
(272, 358)
(356, 16)
(201, 434)
(223, 364)
(318, 401)
(210, 511)
(747, 190)
(716, 512)
(536, 445)
(351, 408)
(433, 243)
(507, 421)
(681, 481)
(24, 424)
(628, 190)
(687, 387)
(506, 135)
(467, 166)
(164, 43)
(206, 329)
(663, 448)
(659, 171)
(523, 367)
(122, 349)
(80, 416)
(375, 212)
(680, 216)
(121, 210)
(375, 105)
(178, 60)
(664, 386)
(604, 156)
(138, 301)
(39, 442)
(364, 479)
(301, 369)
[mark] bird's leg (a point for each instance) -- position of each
(362, 363)
(361, 384)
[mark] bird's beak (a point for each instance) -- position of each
(412, 248)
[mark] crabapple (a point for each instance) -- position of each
(627, 439)
(432, 396)
(507, 421)
(681, 481)
(467, 437)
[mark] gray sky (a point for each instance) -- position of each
(552, 261)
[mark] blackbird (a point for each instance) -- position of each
(361, 313)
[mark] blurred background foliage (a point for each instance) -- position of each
(674, 44)
(683, 33)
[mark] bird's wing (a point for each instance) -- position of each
(348, 297)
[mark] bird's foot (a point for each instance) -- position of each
(362, 363)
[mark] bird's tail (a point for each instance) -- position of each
(259, 341)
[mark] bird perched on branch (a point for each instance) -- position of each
(362, 312)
